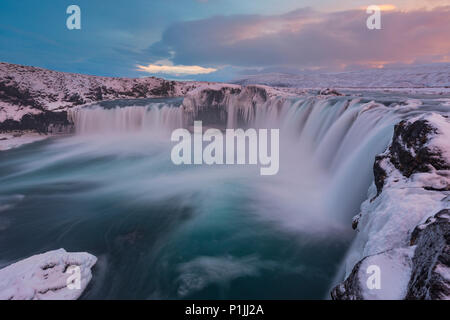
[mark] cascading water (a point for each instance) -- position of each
(166, 231)
(155, 118)
(337, 139)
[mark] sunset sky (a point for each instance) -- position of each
(222, 39)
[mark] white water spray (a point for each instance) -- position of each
(327, 149)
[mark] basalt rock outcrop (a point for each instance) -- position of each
(431, 262)
(410, 152)
(46, 122)
(216, 103)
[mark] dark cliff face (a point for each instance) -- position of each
(212, 105)
(213, 97)
(431, 257)
(45, 122)
(350, 289)
(137, 91)
(209, 106)
(13, 94)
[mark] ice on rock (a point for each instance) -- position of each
(393, 269)
(45, 276)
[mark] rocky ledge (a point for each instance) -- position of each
(404, 226)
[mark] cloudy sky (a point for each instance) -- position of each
(222, 39)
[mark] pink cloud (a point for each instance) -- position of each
(307, 38)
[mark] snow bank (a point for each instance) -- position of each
(412, 184)
(45, 276)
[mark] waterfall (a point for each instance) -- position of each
(328, 142)
(156, 118)
(340, 137)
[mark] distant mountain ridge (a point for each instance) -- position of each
(421, 76)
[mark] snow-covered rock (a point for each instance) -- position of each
(412, 184)
(395, 266)
(46, 276)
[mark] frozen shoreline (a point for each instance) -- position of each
(11, 140)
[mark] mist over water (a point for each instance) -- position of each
(189, 232)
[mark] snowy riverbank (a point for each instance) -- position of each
(404, 225)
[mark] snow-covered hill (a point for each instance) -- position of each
(30, 90)
(422, 76)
